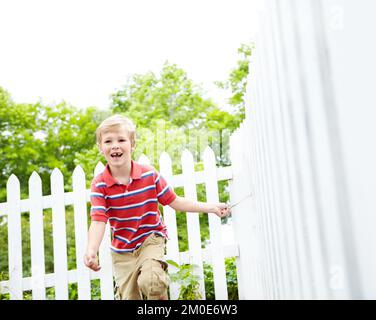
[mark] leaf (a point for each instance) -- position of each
(173, 263)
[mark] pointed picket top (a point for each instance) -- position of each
(56, 174)
(78, 179)
(13, 182)
(165, 158)
(187, 156)
(165, 167)
(78, 172)
(144, 160)
(99, 168)
(209, 154)
(188, 168)
(35, 179)
(35, 185)
(210, 165)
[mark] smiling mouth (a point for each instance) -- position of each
(116, 155)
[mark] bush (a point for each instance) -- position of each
(189, 282)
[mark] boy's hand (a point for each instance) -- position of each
(221, 210)
(91, 260)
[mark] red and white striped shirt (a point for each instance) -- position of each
(132, 209)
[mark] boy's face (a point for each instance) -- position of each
(116, 147)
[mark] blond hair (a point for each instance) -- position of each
(115, 122)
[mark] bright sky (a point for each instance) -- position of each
(81, 51)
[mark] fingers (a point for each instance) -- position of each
(92, 262)
(223, 210)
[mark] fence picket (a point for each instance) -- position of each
(99, 168)
(81, 227)
(219, 269)
(193, 222)
(143, 160)
(37, 237)
(169, 216)
(105, 260)
(105, 274)
(234, 197)
(59, 235)
(14, 238)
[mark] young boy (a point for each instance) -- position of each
(127, 195)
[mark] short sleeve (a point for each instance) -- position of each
(165, 193)
(98, 202)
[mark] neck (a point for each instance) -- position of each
(123, 171)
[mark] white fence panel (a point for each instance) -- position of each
(169, 216)
(37, 237)
(14, 238)
(81, 230)
(59, 235)
(58, 199)
(312, 168)
(193, 221)
(219, 269)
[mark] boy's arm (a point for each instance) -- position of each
(184, 204)
(95, 236)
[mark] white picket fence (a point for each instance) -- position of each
(79, 197)
(304, 158)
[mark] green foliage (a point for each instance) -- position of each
(188, 281)
(35, 137)
(171, 97)
(237, 82)
(232, 279)
(3, 276)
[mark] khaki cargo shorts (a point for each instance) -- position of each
(142, 274)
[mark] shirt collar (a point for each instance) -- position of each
(136, 171)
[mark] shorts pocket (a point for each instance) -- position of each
(161, 280)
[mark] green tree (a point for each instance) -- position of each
(171, 96)
(36, 137)
(237, 83)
